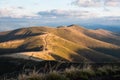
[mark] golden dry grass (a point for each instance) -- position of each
(66, 43)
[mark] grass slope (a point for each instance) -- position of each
(70, 43)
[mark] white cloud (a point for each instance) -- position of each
(86, 3)
(67, 14)
(16, 12)
(112, 3)
(82, 14)
(96, 3)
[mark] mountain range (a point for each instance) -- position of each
(64, 43)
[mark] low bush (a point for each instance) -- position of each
(104, 73)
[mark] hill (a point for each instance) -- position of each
(67, 43)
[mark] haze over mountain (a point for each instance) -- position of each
(67, 43)
(15, 23)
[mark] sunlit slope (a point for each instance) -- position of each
(76, 34)
(104, 35)
(44, 46)
(71, 43)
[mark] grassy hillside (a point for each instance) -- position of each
(72, 43)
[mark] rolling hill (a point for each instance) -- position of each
(65, 43)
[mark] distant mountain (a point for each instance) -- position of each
(113, 28)
(65, 43)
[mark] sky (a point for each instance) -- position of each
(24, 13)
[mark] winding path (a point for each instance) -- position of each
(45, 42)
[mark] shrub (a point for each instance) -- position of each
(73, 73)
(55, 76)
(31, 76)
(102, 71)
(78, 74)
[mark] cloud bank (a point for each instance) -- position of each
(87, 12)
(16, 12)
(66, 14)
(96, 3)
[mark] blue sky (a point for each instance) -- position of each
(58, 12)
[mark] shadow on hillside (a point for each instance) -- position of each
(4, 51)
(12, 35)
(106, 55)
(58, 58)
(110, 51)
(72, 57)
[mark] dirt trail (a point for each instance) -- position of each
(45, 45)
(45, 42)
